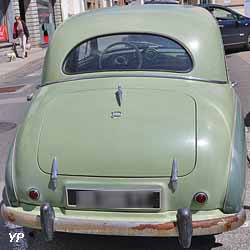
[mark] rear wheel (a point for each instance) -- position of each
(248, 42)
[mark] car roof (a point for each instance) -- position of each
(193, 27)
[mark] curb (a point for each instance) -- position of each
(5, 45)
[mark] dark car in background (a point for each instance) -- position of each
(161, 2)
(235, 28)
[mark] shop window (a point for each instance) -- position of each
(3, 26)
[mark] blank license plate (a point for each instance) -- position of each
(113, 199)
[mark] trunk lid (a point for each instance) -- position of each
(155, 127)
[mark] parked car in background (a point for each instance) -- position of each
(235, 28)
(161, 2)
(136, 130)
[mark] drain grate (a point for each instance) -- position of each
(6, 126)
(10, 89)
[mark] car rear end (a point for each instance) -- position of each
(132, 152)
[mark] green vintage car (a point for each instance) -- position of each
(136, 130)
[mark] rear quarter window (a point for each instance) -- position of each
(121, 52)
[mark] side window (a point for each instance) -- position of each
(223, 14)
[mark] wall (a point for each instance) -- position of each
(230, 2)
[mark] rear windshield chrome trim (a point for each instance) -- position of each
(144, 74)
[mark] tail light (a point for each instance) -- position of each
(200, 197)
(34, 194)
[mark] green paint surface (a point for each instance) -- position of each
(162, 119)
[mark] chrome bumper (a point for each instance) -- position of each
(78, 224)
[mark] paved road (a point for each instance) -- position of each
(12, 110)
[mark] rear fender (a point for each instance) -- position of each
(236, 182)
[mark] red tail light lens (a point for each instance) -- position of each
(200, 197)
(34, 194)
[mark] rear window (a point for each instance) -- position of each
(123, 52)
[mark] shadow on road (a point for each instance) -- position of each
(247, 207)
(91, 242)
(247, 120)
(234, 50)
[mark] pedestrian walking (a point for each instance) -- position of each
(20, 32)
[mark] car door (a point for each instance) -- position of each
(230, 26)
(244, 24)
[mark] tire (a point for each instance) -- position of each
(248, 42)
(248, 159)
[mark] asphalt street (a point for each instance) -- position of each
(12, 111)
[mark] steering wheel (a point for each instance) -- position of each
(121, 60)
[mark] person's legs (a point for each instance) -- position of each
(24, 41)
(14, 48)
(20, 41)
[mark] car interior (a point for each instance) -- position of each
(128, 52)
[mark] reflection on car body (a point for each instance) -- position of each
(132, 132)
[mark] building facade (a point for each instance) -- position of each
(6, 15)
(44, 16)
(73, 7)
(41, 16)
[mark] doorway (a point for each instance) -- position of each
(46, 19)
(3, 21)
(22, 10)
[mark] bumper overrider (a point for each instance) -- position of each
(184, 226)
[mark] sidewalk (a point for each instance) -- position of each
(7, 67)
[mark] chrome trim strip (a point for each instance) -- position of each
(153, 189)
(229, 44)
(12, 166)
(134, 75)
